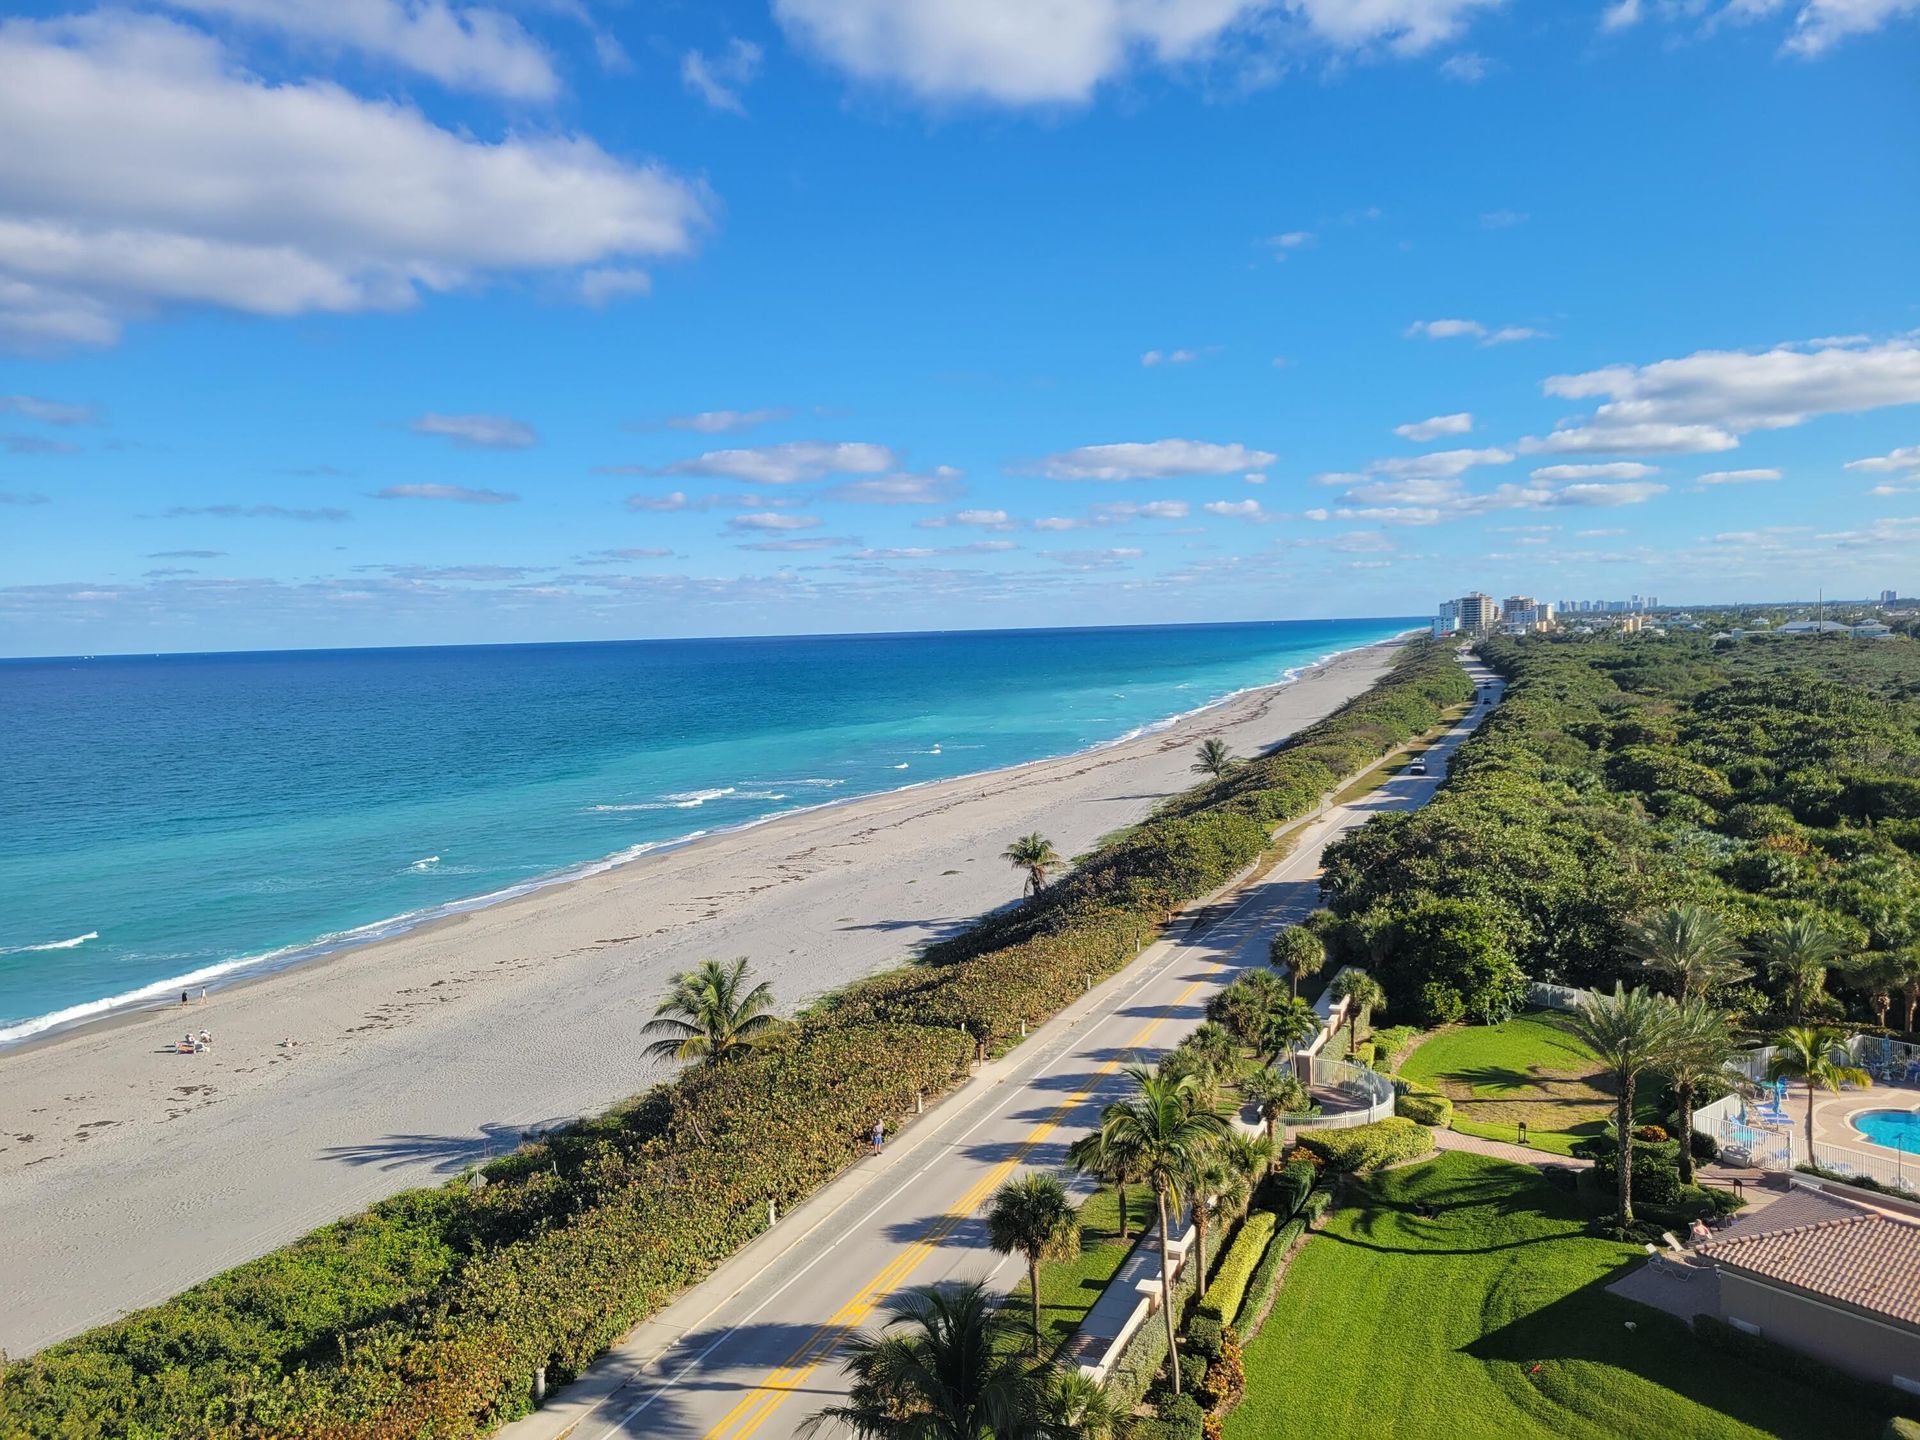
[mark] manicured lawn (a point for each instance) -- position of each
(1068, 1288)
(1491, 1323)
(1529, 1068)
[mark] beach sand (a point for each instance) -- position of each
(128, 1172)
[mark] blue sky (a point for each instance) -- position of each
(389, 322)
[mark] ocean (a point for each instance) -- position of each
(168, 822)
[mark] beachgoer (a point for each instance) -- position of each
(203, 994)
(183, 997)
(206, 1038)
(1698, 1231)
(879, 1136)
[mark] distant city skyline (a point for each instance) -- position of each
(398, 324)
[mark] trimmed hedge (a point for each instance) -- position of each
(1424, 1107)
(1222, 1299)
(1266, 1275)
(1368, 1147)
(429, 1313)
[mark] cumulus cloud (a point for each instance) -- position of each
(795, 543)
(468, 48)
(1169, 357)
(785, 464)
(934, 489)
(1235, 509)
(770, 520)
(1707, 400)
(928, 552)
(719, 79)
(1616, 470)
(1737, 477)
(679, 500)
(145, 168)
(1122, 510)
(976, 519)
(1012, 52)
(1472, 330)
(478, 432)
(458, 494)
(725, 422)
(604, 284)
(1435, 427)
(48, 412)
(1152, 460)
(1904, 460)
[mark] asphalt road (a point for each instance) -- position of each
(756, 1354)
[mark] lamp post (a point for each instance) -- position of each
(1523, 1132)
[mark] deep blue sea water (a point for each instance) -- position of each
(169, 821)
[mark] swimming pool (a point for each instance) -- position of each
(1896, 1129)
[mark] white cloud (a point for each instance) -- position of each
(1445, 329)
(48, 412)
(1503, 219)
(1060, 522)
(1705, 401)
(459, 494)
(1288, 241)
(942, 485)
(720, 422)
(478, 432)
(1435, 427)
(1737, 477)
(1169, 357)
(1121, 510)
(785, 464)
(1014, 52)
(1620, 15)
(1507, 334)
(1235, 509)
(468, 48)
(143, 167)
(605, 284)
(1617, 470)
(1469, 67)
(719, 79)
(1152, 460)
(678, 500)
(631, 552)
(769, 520)
(1905, 459)
(1819, 25)
(1094, 559)
(977, 519)
(925, 552)
(1628, 493)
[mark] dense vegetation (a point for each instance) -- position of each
(1490, 1320)
(1771, 782)
(429, 1313)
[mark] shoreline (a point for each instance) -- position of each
(129, 1172)
(227, 976)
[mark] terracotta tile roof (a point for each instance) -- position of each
(1847, 1252)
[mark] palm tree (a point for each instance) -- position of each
(1910, 983)
(1035, 1216)
(945, 1366)
(1798, 954)
(1816, 1055)
(1275, 1093)
(1878, 975)
(1362, 993)
(1627, 1030)
(706, 1017)
(1290, 1026)
(1699, 1047)
(1212, 758)
(1250, 1156)
(1299, 952)
(1094, 1154)
(1034, 854)
(1245, 1005)
(1076, 1408)
(1160, 1126)
(1216, 1178)
(1689, 942)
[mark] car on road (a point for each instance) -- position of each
(1418, 767)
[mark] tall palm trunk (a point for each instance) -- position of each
(1685, 1089)
(1033, 1288)
(1121, 1187)
(1166, 1286)
(1623, 1123)
(1912, 996)
(1200, 1240)
(1810, 1120)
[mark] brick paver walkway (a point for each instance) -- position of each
(1499, 1149)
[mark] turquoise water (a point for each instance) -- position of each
(169, 821)
(1896, 1129)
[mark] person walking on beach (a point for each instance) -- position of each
(183, 999)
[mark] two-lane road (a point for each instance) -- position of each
(761, 1356)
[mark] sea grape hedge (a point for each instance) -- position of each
(427, 1314)
(1221, 1301)
(1368, 1147)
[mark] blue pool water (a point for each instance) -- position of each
(166, 821)
(1896, 1129)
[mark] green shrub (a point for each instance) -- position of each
(1193, 1372)
(1182, 1416)
(1899, 1428)
(1292, 1185)
(1222, 1300)
(1365, 1053)
(1424, 1107)
(1316, 1207)
(1266, 1275)
(1204, 1336)
(1368, 1147)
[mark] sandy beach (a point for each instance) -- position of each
(128, 1172)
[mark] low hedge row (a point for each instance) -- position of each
(1222, 1298)
(1368, 1147)
(428, 1314)
(1424, 1107)
(1266, 1277)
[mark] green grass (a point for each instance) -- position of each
(1068, 1288)
(1530, 1068)
(1492, 1323)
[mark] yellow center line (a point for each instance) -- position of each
(758, 1404)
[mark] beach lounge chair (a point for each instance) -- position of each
(1667, 1265)
(1673, 1245)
